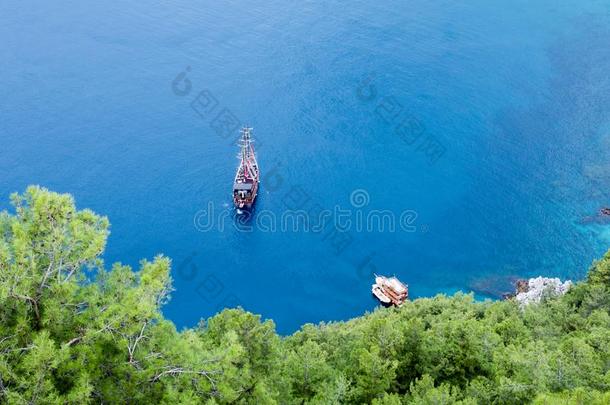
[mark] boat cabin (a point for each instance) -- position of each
(243, 191)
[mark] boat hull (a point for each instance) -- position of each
(245, 185)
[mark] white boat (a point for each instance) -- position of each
(392, 288)
(392, 282)
(378, 293)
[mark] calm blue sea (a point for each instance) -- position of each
(486, 123)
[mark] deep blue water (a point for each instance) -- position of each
(489, 119)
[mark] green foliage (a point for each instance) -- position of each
(73, 332)
(600, 272)
(579, 396)
(423, 392)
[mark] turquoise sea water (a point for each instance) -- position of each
(488, 119)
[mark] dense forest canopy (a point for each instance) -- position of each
(74, 332)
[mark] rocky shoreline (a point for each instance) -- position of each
(534, 290)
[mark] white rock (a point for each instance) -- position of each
(539, 286)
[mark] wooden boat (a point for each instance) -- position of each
(392, 288)
(247, 177)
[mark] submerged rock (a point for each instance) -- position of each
(494, 286)
(540, 287)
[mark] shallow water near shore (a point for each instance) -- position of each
(488, 123)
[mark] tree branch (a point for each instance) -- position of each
(4, 339)
(173, 371)
(29, 299)
(131, 347)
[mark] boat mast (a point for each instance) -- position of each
(245, 149)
